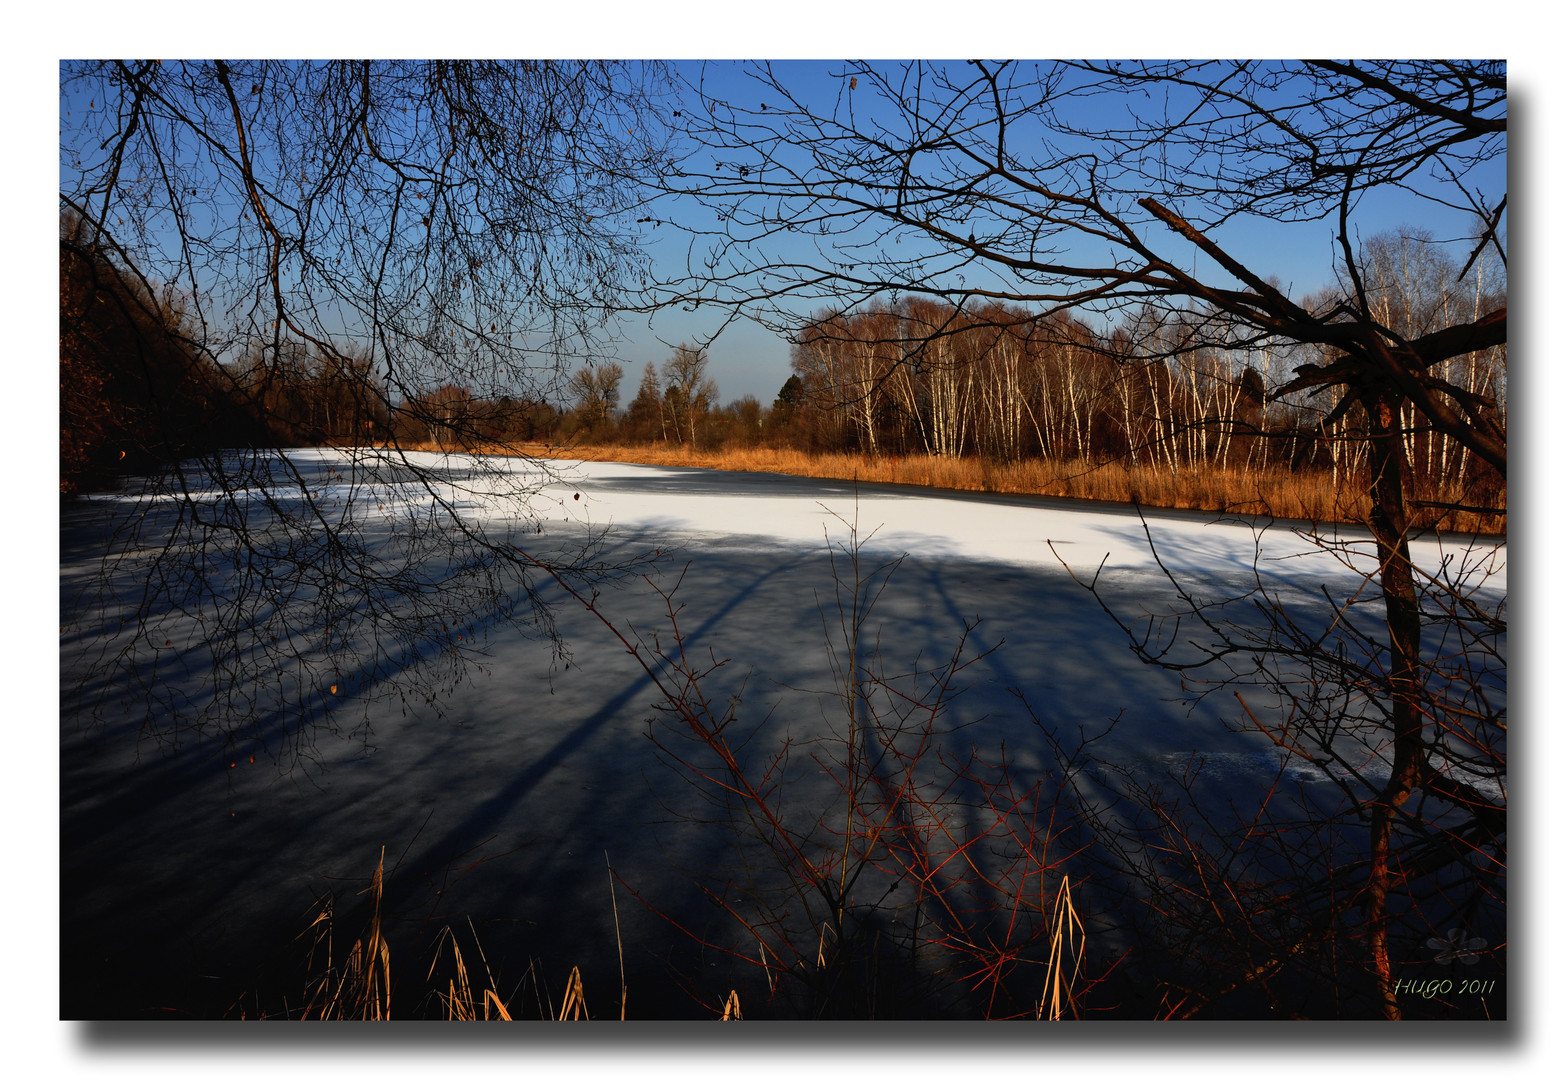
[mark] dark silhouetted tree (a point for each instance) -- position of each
(369, 250)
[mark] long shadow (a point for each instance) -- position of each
(488, 814)
(99, 883)
(157, 790)
(166, 779)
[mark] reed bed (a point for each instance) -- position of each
(1273, 492)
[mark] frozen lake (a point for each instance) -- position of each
(187, 872)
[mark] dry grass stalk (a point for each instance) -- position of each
(574, 1007)
(492, 998)
(731, 1008)
(457, 1000)
(361, 988)
(821, 945)
(614, 904)
(1066, 939)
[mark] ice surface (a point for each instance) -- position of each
(506, 807)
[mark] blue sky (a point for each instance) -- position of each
(621, 28)
(750, 359)
(747, 359)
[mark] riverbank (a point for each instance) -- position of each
(1272, 492)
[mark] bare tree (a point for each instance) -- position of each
(596, 389)
(441, 235)
(977, 182)
(688, 392)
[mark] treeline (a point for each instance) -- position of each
(996, 382)
(922, 377)
(675, 403)
(918, 377)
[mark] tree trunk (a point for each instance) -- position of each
(1389, 525)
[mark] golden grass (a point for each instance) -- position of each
(731, 1007)
(574, 1007)
(1065, 945)
(458, 1001)
(1273, 492)
(360, 987)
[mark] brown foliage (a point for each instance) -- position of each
(135, 390)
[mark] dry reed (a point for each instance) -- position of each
(360, 988)
(1065, 943)
(731, 1008)
(1276, 491)
(574, 1007)
(457, 1000)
